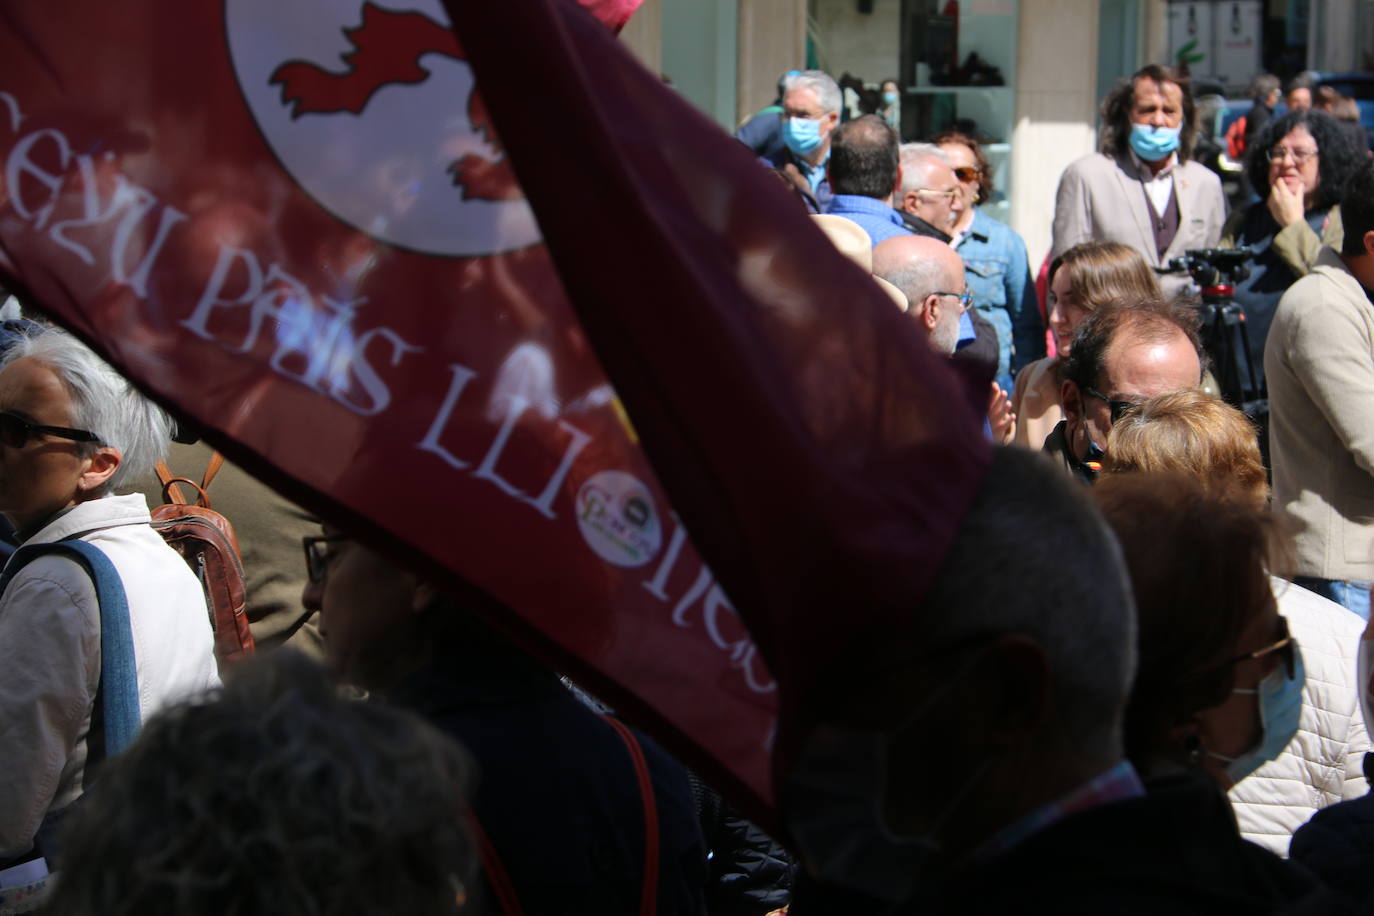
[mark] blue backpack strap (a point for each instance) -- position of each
(118, 676)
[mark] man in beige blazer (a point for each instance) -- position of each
(1319, 360)
(1142, 189)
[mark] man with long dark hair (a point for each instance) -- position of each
(1142, 188)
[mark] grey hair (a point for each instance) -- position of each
(275, 794)
(1264, 85)
(818, 81)
(103, 402)
(913, 160)
(1030, 524)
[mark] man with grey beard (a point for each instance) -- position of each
(931, 276)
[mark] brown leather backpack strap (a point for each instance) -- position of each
(170, 491)
(216, 462)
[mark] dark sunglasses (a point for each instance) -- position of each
(1118, 408)
(1284, 645)
(316, 557)
(16, 432)
(966, 173)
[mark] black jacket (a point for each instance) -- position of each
(557, 794)
(1338, 843)
(1175, 850)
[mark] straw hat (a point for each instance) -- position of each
(849, 237)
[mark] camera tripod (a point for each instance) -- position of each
(1225, 336)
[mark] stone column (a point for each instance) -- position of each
(643, 34)
(1055, 104)
(772, 40)
(1157, 32)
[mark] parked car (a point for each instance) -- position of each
(1357, 86)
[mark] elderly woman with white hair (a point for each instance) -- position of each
(71, 428)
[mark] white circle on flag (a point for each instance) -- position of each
(388, 168)
(616, 515)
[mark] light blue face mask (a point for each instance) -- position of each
(890, 98)
(1280, 705)
(1154, 143)
(802, 135)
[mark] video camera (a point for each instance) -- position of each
(1213, 266)
(1224, 334)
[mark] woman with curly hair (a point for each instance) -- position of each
(1300, 162)
(277, 794)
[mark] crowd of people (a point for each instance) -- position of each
(1140, 689)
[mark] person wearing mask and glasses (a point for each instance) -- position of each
(1195, 433)
(810, 113)
(1219, 683)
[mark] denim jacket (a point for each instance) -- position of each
(998, 274)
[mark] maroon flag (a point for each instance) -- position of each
(294, 222)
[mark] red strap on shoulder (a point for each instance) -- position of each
(648, 898)
(496, 872)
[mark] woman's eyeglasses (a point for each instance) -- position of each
(16, 432)
(1284, 645)
(966, 173)
(1299, 156)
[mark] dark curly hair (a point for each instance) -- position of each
(1337, 155)
(1115, 137)
(985, 186)
(277, 795)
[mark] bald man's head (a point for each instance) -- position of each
(930, 274)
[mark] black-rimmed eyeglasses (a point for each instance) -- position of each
(317, 558)
(15, 431)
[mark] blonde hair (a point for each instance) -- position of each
(1192, 432)
(1105, 273)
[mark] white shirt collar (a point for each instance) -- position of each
(1144, 170)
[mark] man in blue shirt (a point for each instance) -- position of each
(864, 172)
(811, 103)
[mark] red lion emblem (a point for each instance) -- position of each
(387, 48)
